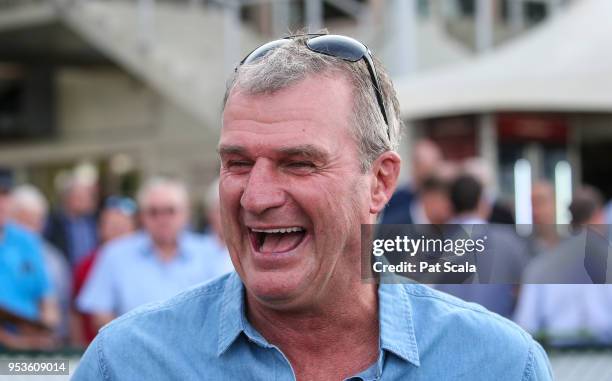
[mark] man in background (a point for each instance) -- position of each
(499, 212)
(25, 290)
(435, 199)
(405, 206)
(152, 264)
(559, 301)
(505, 255)
(545, 235)
(117, 219)
(73, 228)
(29, 209)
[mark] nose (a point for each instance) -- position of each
(263, 189)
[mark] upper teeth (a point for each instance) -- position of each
(283, 230)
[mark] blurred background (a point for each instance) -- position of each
(110, 93)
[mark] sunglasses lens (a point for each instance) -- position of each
(262, 51)
(342, 47)
(161, 211)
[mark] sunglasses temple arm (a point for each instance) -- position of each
(378, 92)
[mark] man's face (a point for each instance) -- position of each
(437, 206)
(164, 214)
(31, 219)
(81, 199)
(290, 162)
(426, 158)
(115, 224)
(543, 202)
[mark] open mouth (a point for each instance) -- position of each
(277, 240)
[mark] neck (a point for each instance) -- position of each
(73, 213)
(339, 336)
(166, 250)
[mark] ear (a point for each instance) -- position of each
(385, 172)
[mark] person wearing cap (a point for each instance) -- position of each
(25, 288)
(117, 219)
(308, 155)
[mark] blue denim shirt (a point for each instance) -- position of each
(204, 334)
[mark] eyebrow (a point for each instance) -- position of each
(229, 150)
(308, 151)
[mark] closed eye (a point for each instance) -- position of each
(300, 167)
(238, 164)
(301, 164)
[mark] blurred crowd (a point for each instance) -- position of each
(557, 300)
(67, 271)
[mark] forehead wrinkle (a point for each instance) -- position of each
(293, 106)
(247, 118)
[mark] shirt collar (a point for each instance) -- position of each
(231, 315)
(397, 334)
(183, 249)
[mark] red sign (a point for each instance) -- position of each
(456, 136)
(526, 127)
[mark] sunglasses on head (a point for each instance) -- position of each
(345, 48)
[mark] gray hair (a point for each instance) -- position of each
(29, 198)
(293, 62)
(162, 182)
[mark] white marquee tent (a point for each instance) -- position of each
(564, 65)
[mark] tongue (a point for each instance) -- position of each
(280, 242)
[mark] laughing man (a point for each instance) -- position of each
(307, 149)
